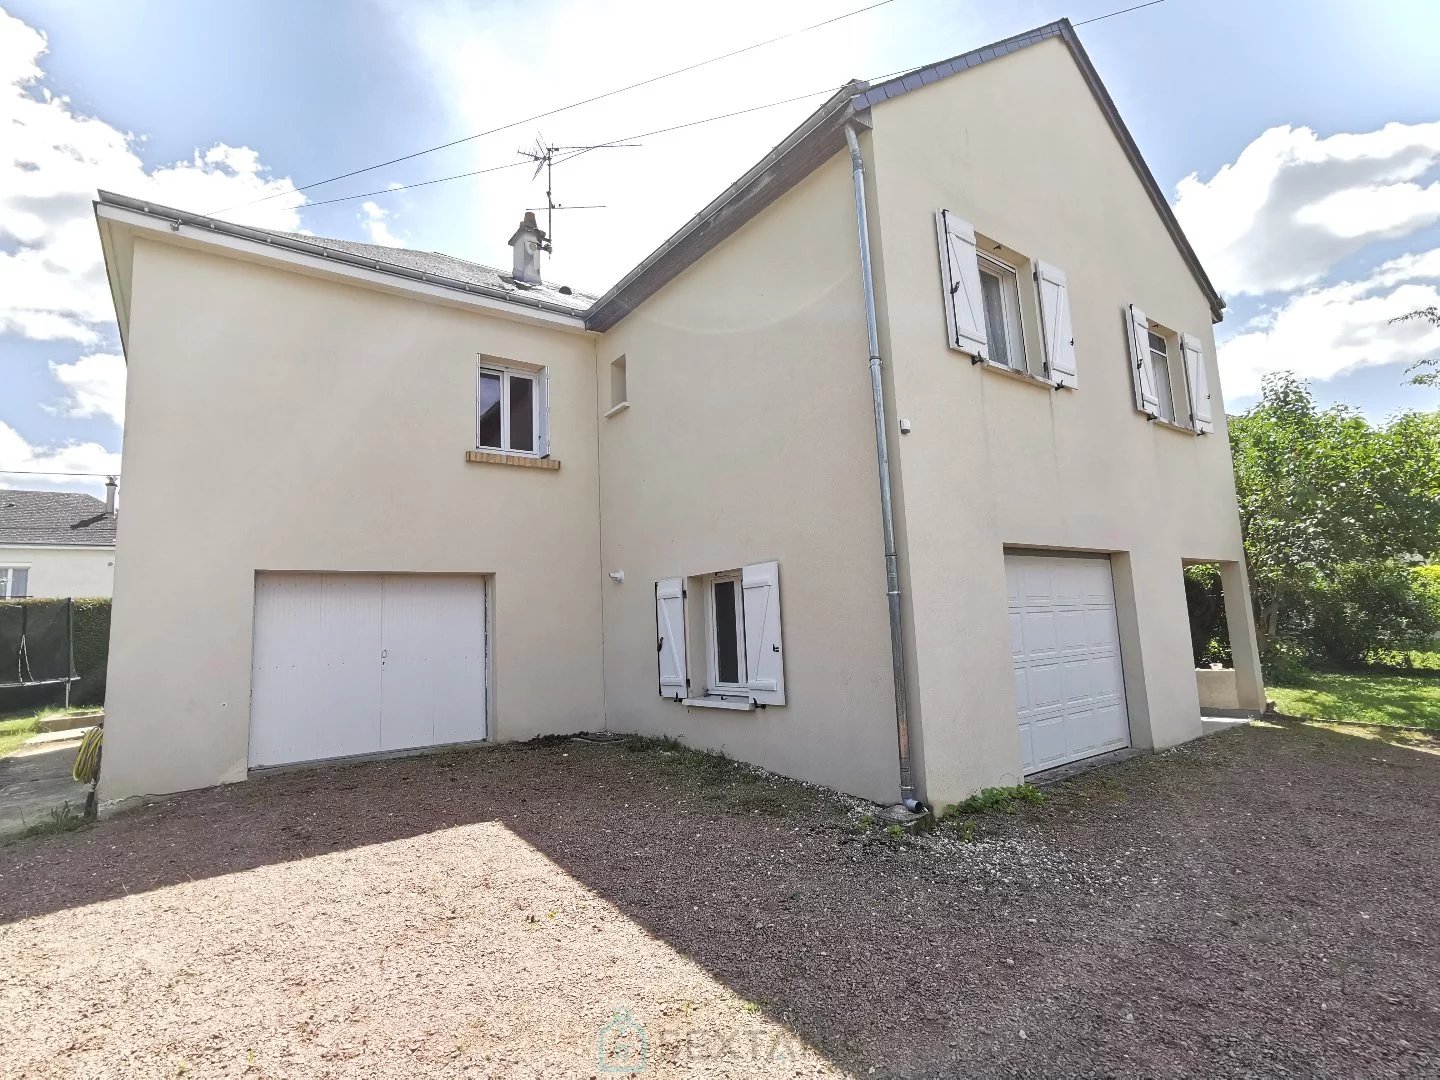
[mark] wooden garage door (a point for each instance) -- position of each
(350, 664)
(1069, 690)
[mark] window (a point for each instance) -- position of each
(510, 413)
(1003, 308)
(14, 582)
(619, 394)
(726, 625)
(1000, 291)
(1160, 365)
(1168, 371)
(736, 632)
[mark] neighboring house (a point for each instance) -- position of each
(56, 543)
(464, 505)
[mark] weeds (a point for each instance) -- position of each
(61, 819)
(994, 798)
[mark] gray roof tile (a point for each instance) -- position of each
(54, 518)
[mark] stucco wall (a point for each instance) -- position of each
(283, 422)
(58, 571)
(748, 438)
(1019, 148)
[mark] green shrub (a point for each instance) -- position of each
(92, 649)
(1366, 606)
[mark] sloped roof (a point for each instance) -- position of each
(821, 135)
(54, 518)
(818, 138)
(437, 265)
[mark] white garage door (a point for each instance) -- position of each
(1068, 684)
(348, 664)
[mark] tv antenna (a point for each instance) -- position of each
(543, 154)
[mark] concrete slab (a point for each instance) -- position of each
(35, 782)
(51, 738)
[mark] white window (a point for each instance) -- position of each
(1159, 347)
(512, 411)
(743, 659)
(1168, 371)
(619, 391)
(1003, 308)
(1000, 293)
(14, 582)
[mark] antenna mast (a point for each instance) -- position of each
(543, 154)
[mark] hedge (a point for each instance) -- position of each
(92, 653)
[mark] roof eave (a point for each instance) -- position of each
(816, 140)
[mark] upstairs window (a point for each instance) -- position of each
(1002, 308)
(512, 411)
(1168, 373)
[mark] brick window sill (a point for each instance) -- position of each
(524, 461)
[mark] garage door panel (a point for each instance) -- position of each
(1069, 682)
(352, 664)
(310, 689)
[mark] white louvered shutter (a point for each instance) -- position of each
(542, 437)
(764, 660)
(960, 276)
(1142, 372)
(1055, 323)
(670, 637)
(1198, 383)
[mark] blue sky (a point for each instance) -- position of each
(1317, 220)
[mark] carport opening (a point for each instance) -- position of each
(1210, 637)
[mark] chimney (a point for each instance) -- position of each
(528, 242)
(110, 486)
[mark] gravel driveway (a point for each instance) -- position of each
(1260, 903)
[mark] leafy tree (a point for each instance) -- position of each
(1369, 606)
(1322, 488)
(1424, 372)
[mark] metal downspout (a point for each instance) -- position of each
(882, 461)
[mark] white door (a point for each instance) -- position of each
(348, 664)
(1069, 689)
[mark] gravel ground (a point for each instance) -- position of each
(1260, 903)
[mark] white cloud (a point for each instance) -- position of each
(1293, 205)
(1324, 332)
(94, 386)
(72, 457)
(52, 280)
(372, 219)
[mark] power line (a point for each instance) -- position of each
(1122, 11)
(53, 472)
(393, 188)
(566, 108)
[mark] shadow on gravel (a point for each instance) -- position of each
(1256, 902)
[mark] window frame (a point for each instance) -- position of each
(713, 683)
(1011, 311)
(1178, 400)
(537, 416)
(7, 576)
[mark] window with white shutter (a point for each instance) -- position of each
(960, 278)
(1198, 383)
(764, 659)
(1056, 332)
(670, 638)
(1142, 371)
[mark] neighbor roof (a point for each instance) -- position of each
(54, 518)
(818, 138)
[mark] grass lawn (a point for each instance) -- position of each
(1372, 699)
(17, 727)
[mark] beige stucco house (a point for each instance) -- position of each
(881, 472)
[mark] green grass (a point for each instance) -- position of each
(1369, 699)
(17, 727)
